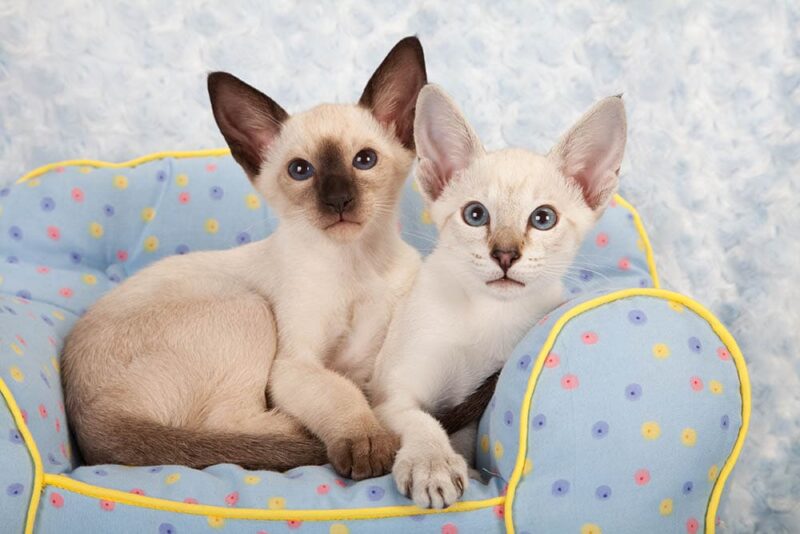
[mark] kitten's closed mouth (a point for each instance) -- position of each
(342, 223)
(505, 281)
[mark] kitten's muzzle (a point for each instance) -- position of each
(336, 193)
(505, 258)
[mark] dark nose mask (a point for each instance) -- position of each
(336, 194)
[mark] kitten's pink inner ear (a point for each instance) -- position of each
(248, 119)
(391, 92)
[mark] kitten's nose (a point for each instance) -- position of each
(338, 203)
(505, 258)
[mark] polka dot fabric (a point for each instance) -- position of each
(633, 416)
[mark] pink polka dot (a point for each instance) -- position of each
(122, 255)
(499, 511)
(106, 505)
(77, 194)
(613, 203)
(552, 360)
(624, 264)
(59, 169)
(696, 383)
(63, 449)
(184, 197)
(211, 167)
(232, 498)
(65, 292)
(21, 340)
(590, 338)
(339, 482)
(294, 523)
(137, 491)
(641, 477)
(24, 414)
(43, 411)
(323, 489)
(58, 424)
(53, 233)
(569, 381)
(190, 500)
(602, 239)
(42, 269)
(449, 528)
(723, 353)
(692, 525)
(56, 500)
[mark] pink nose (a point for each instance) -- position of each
(505, 258)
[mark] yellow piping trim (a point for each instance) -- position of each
(344, 514)
(30, 444)
(637, 221)
(718, 328)
(179, 154)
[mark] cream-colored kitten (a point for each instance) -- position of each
(172, 367)
(509, 224)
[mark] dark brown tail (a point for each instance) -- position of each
(132, 441)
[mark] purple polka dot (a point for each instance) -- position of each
(100, 472)
(603, 493)
(156, 469)
(12, 259)
(560, 487)
(4, 192)
(725, 422)
(492, 402)
(216, 192)
(524, 363)
(417, 517)
(695, 345)
(633, 392)
(293, 474)
(161, 176)
(637, 317)
(181, 249)
(52, 459)
(47, 204)
(44, 378)
(108, 209)
(375, 493)
(114, 277)
(586, 275)
(539, 422)
(600, 430)
(15, 490)
(75, 257)
(243, 238)
(688, 487)
(24, 294)
(47, 319)
(508, 418)
(167, 528)
(15, 232)
(644, 282)
(15, 437)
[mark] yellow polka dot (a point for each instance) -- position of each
(58, 315)
(172, 479)
(485, 443)
(651, 430)
(89, 279)
(55, 364)
(148, 214)
(498, 450)
(415, 186)
(16, 374)
(120, 182)
(252, 480)
(151, 244)
(591, 528)
(660, 351)
(212, 226)
(665, 507)
(339, 528)
(713, 471)
(676, 306)
(640, 244)
(527, 467)
(276, 503)
(85, 170)
(715, 387)
(17, 349)
(252, 201)
(426, 217)
(1, 280)
(96, 230)
(34, 183)
(215, 522)
(182, 180)
(689, 437)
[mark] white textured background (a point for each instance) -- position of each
(713, 160)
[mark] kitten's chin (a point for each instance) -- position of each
(343, 230)
(505, 287)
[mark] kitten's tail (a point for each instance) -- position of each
(127, 440)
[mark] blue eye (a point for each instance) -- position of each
(544, 218)
(300, 169)
(475, 214)
(365, 159)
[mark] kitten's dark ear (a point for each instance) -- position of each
(248, 119)
(591, 152)
(392, 91)
(446, 143)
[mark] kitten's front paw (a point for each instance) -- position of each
(433, 479)
(367, 455)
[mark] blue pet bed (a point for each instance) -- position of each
(622, 411)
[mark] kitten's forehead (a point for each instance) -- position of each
(351, 125)
(511, 176)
